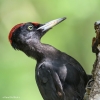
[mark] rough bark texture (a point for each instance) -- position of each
(93, 87)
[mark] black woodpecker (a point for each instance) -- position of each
(58, 75)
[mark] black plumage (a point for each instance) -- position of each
(58, 75)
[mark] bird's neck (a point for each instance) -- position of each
(40, 51)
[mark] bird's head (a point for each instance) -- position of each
(21, 34)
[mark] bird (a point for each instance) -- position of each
(58, 75)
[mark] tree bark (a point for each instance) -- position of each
(93, 88)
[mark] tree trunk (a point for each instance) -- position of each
(93, 87)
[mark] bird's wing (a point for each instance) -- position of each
(49, 83)
(75, 81)
(76, 64)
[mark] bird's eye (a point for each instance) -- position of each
(30, 27)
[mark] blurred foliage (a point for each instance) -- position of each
(72, 36)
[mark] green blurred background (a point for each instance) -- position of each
(73, 36)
